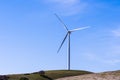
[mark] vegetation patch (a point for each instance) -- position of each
(53, 74)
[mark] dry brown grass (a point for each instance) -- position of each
(113, 75)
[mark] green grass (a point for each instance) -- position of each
(54, 74)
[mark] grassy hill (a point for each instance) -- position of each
(49, 74)
(110, 75)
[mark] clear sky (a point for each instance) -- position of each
(30, 35)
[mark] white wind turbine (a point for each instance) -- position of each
(68, 35)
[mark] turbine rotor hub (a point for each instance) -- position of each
(69, 32)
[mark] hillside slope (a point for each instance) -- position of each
(112, 75)
(48, 74)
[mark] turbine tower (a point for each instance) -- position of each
(68, 35)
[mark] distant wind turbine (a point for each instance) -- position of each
(68, 35)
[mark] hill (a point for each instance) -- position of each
(111, 75)
(55, 74)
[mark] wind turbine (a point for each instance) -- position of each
(68, 35)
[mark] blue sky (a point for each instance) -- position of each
(30, 35)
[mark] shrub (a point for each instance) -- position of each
(24, 78)
(42, 72)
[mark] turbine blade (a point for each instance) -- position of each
(62, 42)
(79, 29)
(61, 22)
